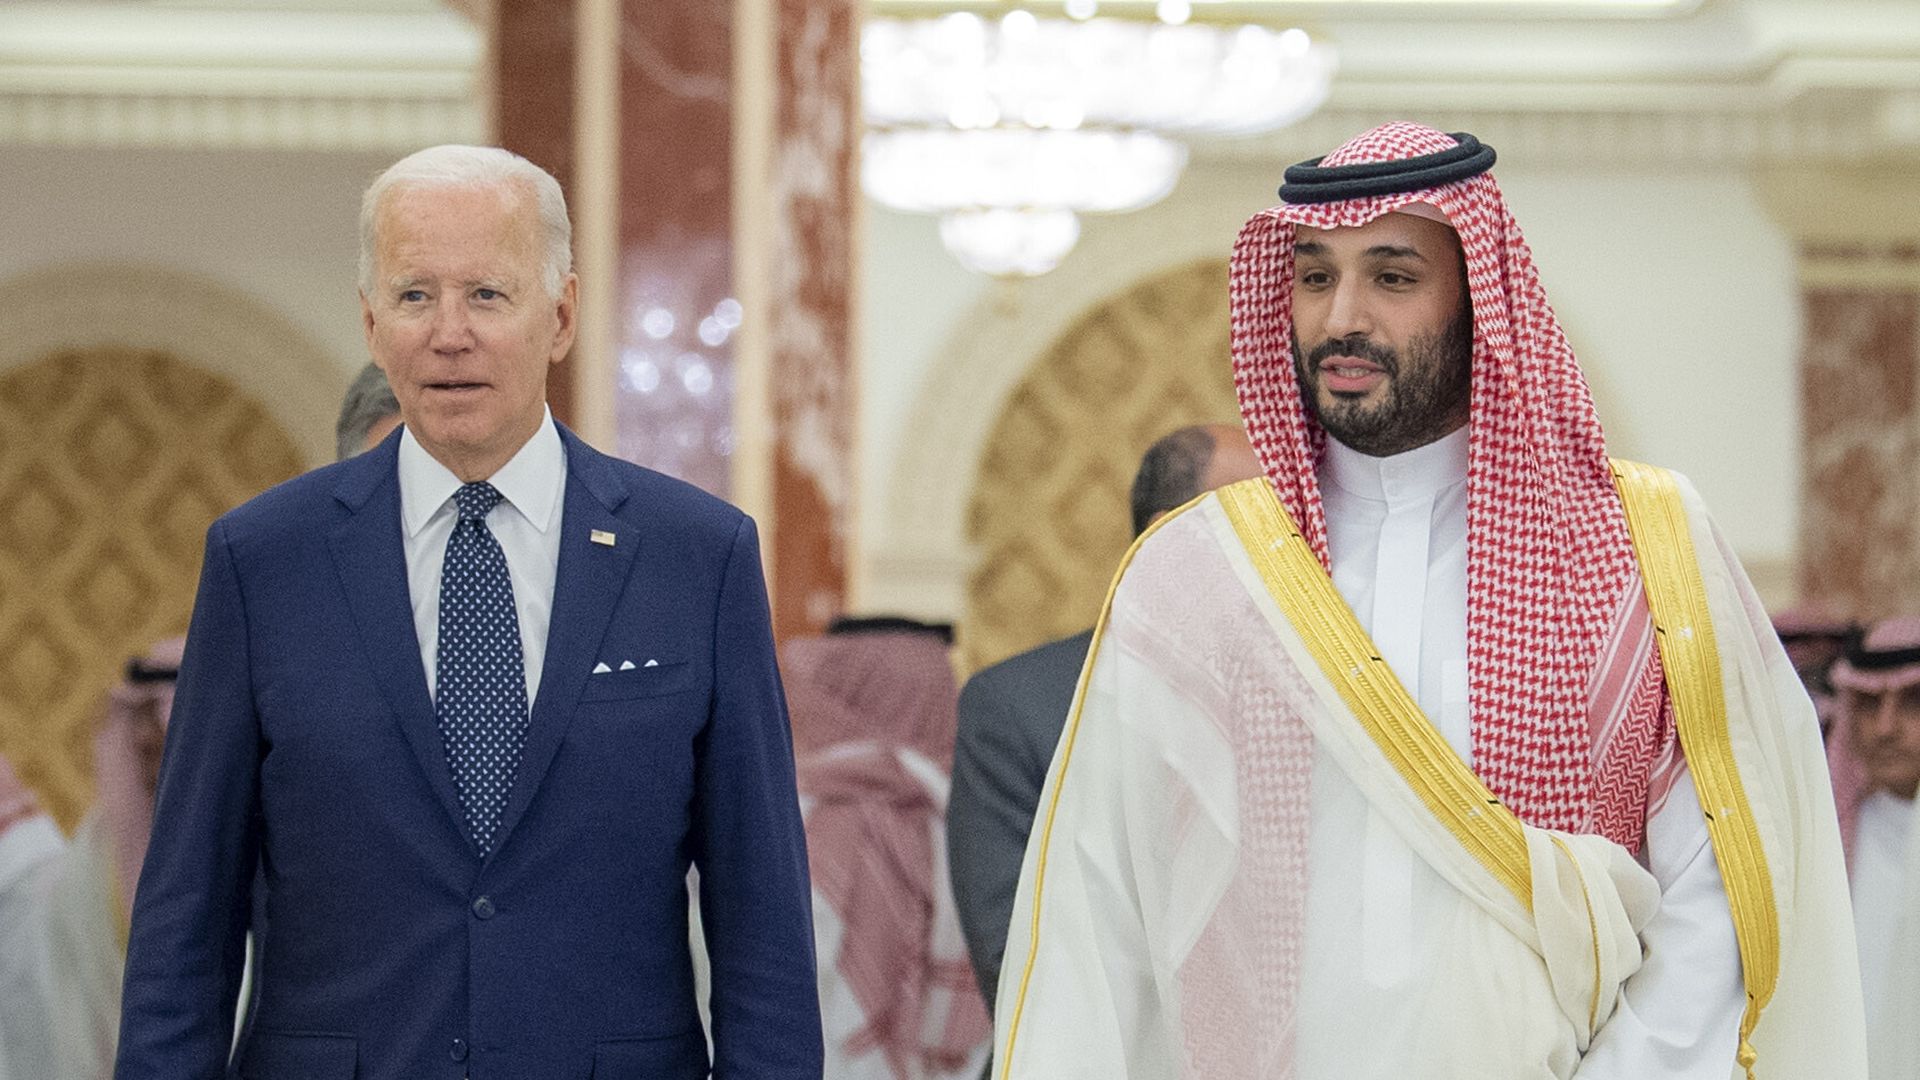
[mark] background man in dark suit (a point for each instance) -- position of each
(1011, 713)
(474, 701)
(368, 413)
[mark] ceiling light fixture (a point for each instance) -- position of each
(1011, 127)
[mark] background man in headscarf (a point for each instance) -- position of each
(1814, 640)
(64, 903)
(872, 704)
(1011, 713)
(1874, 751)
(1378, 770)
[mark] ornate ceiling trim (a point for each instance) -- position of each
(287, 78)
(1734, 82)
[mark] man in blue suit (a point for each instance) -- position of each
(474, 702)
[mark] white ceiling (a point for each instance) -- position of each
(1719, 79)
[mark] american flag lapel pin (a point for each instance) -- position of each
(601, 536)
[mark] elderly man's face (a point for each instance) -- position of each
(1383, 333)
(1886, 737)
(461, 323)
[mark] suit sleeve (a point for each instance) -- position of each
(186, 947)
(751, 852)
(996, 785)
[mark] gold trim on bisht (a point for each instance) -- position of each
(1684, 629)
(1347, 656)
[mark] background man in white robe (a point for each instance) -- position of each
(872, 702)
(64, 901)
(1875, 753)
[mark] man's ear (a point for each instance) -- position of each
(566, 311)
(366, 328)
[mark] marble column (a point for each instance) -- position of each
(811, 302)
(727, 327)
(532, 79)
(1861, 430)
(679, 308)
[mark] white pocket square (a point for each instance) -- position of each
(626, 665)
(651, 663)
(601, 669)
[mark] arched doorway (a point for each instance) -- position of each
(113, 462)
(1048, 513)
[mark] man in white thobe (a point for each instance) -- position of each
(1393, 762)
(64, 900)
(1874, 750)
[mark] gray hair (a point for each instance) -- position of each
(369, 400)
(1170, 474)
(474, 166)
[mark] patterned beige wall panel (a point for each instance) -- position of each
(113, 462)
(1049, 511)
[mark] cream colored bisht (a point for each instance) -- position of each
(1191, 904)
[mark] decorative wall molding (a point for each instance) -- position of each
(283, 76)
(234, 122)
(1611, 137)
(202, 322)
(1734, 82)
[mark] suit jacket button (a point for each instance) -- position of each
(483, 908)
(458, 1051)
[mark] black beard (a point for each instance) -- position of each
(1429, 403)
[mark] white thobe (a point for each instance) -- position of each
(1397, 537)
(60, 953)
(1883, 828)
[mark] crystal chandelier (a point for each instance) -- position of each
(1011, 127)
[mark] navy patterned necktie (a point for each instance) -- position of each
(480, 698)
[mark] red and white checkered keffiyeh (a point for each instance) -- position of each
(1567, 701)
(1883, 685)
(858, 701)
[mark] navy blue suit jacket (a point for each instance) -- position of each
(303, 739)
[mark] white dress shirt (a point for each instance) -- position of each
(1397, 537)
(526, 523)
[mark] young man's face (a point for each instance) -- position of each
(1886, 737)
(1383, 331)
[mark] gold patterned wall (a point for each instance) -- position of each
(113, 462)
(1049, 514)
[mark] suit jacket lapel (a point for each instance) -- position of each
(587, 587)
(368, 553)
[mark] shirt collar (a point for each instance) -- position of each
(1419, 473)
(531, 480)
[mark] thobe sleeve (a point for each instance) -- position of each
(1679, 1015)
